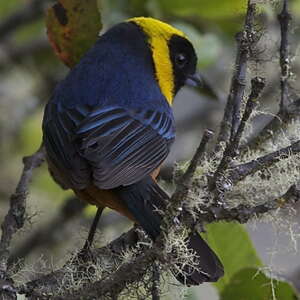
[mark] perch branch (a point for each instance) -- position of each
(114, 284)
(48, 284)
(136, 268)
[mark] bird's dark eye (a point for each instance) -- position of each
(180, 60)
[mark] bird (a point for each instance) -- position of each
(109, 126)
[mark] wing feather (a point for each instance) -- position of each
(117, 146)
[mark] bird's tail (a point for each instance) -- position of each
(144, 199)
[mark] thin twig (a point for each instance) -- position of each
(239, 172)
(186, 179)
(176, 205)
(257, 86)
(284, 19)
(243, 213)
(155, 282)
(231, 149)
(15, 217)
(231, 118)
(285, 114)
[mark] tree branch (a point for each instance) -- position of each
(114, 284)
(49, 284)
(243, 213)
(15, 218)
(156, 282)
(231, 149)
(245, 40)
(286, 112)
(134, 270)
(241, 171)
(183, 186)
(284, 19)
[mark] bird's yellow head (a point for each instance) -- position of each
(173, 55)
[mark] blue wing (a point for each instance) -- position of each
(107, 146)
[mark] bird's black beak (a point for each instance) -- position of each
(202, 85)
(194, 80)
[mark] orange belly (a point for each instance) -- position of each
(107, 198)
(103, 198)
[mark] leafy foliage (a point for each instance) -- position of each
(234, 247)
(243, 279)
(251, 284)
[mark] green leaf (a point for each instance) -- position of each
(73, 27)
(252, 284)
(234, 247)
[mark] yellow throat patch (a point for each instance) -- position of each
(159, 34)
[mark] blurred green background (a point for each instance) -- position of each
(29, 70)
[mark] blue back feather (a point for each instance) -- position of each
(120, 71)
